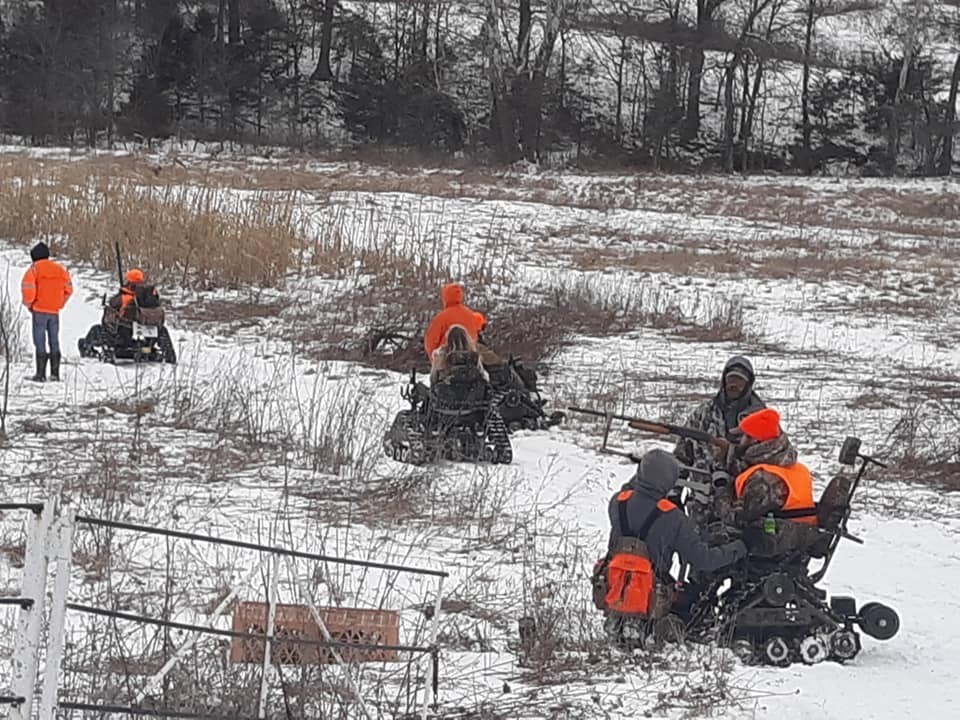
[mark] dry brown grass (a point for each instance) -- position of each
(191, 236)
(229, 314)
(778, 260)
(194, 237)
(535, 324)
(903, 210)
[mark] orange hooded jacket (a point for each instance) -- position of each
(46, 286)
(454, 313)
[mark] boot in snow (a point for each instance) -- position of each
(55, 366)
(41, 375)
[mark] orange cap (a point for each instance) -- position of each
(762, 425)
(134, 275)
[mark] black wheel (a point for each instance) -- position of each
(416, 453)
(166, 346)
(879, 621)
(814, 649)
(511, 399)
(777, 652)
(778, 590)
(845, 644)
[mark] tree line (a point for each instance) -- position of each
(734, 85)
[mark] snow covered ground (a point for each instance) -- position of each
(237, 438)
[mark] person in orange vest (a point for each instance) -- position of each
(45, 289)
(133, 280)
(454, 313)
(773, 481)
(633, 584)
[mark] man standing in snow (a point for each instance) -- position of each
(721, 415)
(45, 289)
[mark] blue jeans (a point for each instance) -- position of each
(46, 326)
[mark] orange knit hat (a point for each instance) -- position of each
(762, 425)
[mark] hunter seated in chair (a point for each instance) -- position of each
(458, 359)
(136, 302)
(773, 489)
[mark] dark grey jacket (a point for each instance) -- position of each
(672, 531)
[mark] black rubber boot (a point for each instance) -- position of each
(41, 375)
(55, 366)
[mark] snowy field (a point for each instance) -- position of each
(844, 295)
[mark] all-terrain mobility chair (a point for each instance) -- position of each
(456, 419)
(518, 399)
(136, 332)
(773, 612)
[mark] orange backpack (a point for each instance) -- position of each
(625, 582)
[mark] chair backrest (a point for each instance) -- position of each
(150, 316)
(147, 296)
(461, 388)
(834, 503)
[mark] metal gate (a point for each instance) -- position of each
(270, 634)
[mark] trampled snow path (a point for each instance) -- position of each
(557, 483)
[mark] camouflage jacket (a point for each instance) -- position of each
(709, 417)
(764, 492)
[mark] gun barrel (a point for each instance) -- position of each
(649, 425)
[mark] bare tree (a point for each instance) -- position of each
(813, 12)
(950, 28)
(706, 18)
(752, 13)
(518, 74)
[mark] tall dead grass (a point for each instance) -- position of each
(916, 210)
(195, 236)
(924, 444)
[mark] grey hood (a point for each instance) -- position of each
(658, 473)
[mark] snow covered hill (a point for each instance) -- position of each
(848, 298)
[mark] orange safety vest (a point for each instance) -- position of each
(799, 490)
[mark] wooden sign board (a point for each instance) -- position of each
(348, 625)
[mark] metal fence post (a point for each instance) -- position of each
(62, 542)
(268, 643)
(429, 696)
(26, 654)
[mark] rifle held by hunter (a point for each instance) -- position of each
(658, 428)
